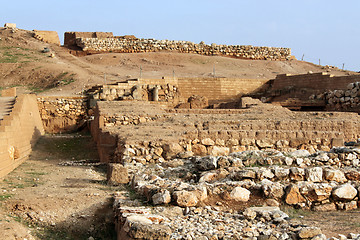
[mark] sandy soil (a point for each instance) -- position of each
(44, 199)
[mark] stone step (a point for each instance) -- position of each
(6, 105)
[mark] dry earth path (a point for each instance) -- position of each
(48, 198)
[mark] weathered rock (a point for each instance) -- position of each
(351, 205)
(206, 163)
(218, 151)
(140, 227)
(240, 194)
(171, 150)
(162, 197)
(344, 192)
(249, 214)
(297, 174)
(264, 143)
(185, 198)
(263, 173)
(352, 175)
(334, 175)
(325, 207)
(208, 177)
(199, 150)
(314, 174)
(299, 153)
(293, 195)
(309, 232)
(281, 173)
(243, 174)
(207, 142)
(273, 190)
(117, 174)
(319, 192)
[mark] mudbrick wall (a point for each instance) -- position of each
(316, 81)
(19, 131)
(63, 114)
(179, 89)
(47, 36)
(134, 45)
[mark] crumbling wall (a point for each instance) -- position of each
(343, 100)
(63, 114)
(19, 131)
(47, 36)
(70, 37)
(315, 81)
(169, 133)
(126, 45)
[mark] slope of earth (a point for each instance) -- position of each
(22, 63)
(59, 193)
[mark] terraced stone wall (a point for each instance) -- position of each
(134, 45)
(62, 114)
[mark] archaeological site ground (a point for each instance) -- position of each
(119, 137)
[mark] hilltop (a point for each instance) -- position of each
(23, 63)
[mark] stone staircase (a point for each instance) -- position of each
(6, 105)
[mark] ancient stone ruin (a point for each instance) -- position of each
(208, 158)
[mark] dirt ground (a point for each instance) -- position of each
(22, 63)
(46, 199)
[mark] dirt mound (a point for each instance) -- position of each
(23, 63)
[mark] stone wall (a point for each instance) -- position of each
(136, 91)
(131, 45)
(179, 89)
(63, 114)
(199, 132)
(70, 37)
(315, 81)
(47, 36)
(297, 91)
(19, 131)
(343, 100)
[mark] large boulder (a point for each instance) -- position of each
(117, 174)
(162, 197)
(219, 151)
(293, 195)
(206, 163)
(185, 198)
(314, 174)
(334, 175)
(171, 150)
(344, 192)
(240, 194)
(198, 102)
(309, 232)
(142, 227)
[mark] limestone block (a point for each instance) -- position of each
(162, 197)
(240, 194)
(10, 25)
(344, 192)
(314, 174)
(309, 232)
(185, 198)
(293, 195)
(117, 174)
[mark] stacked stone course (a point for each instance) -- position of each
(124, 45)
(344, 100)
(62, 114)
